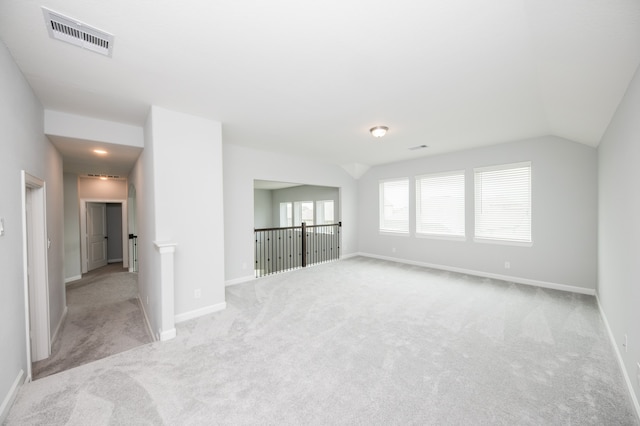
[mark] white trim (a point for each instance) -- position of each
(146, 320)
(517, 280)
(627, 379)
(349, 256)
(114, 260)
(200, 312)
(167, 334)
(71, 279)
(59, 326)
(10, 397)
(240, 280)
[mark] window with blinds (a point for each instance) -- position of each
(503, 203)
(440, 204)
(394, 206)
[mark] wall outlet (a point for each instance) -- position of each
(393, 249)
(197, 293)
(625, 345)
(244, 266)
(1, 226)
(507, 265)
(147, 300)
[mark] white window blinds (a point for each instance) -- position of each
(394, 205)
(440, 204)
(503, 202)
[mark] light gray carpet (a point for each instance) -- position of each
(358, 342)
(104, 318)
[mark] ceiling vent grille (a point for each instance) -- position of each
(63, 28)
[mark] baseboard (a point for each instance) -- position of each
(71, 279)
(239, 280)
(627, 379)
(146, 320)
(59, 326)
(114, 260)
(350, 255)
(167, 334)
(185, 316)
(9, 399)
(518, 280)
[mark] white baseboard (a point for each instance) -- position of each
(146, 320)
(10, 397)
(518, 280)
(167, 334)
(71, 279)
(627, 379)
(185, 316)
(59, 326)
(239, 280)
(114, 260)
(350, 255)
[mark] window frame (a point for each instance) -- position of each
(382, 222)
(418, 202)
(504, 240)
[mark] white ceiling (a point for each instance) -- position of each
(311, 78)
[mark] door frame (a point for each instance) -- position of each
(35, 246)
(83, 230)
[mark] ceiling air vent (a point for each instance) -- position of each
(72, 31)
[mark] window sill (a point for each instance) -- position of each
(395, 233)
(503, 242)
(442, 237)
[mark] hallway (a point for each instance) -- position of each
(104, 318)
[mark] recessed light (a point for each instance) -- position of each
(103, 178)
(100, 151)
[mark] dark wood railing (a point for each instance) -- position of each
(293, 247)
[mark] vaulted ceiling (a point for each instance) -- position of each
(311, 78)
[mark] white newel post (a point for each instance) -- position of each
(167, 328)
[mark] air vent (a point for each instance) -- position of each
(72, 31)
(414, 148)
(93, 175)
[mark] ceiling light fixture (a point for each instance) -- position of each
(378, 131)
(100, 151)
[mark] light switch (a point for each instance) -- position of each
(1, 226)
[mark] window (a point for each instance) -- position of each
(286, 215)
(324, 212)
(440, 204)
(503, 202)
(394, 205)
(303, 212)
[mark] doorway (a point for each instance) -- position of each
(36, 286)
(104, 236)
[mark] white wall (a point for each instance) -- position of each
(619, 230)
(241, 166)
(104, 190)
(72, 267)
(564, 196)
(183, 159)
(24, 147)
(262, 208)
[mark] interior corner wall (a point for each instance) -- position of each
(242, 166)
(262, 209)
(619, 230)
(24, 148)
(187, 167)
(564, 220)
(72, 267)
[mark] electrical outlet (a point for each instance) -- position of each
(197, 293)
(507, 265)
(625, 345)
(147, 300)
(393, 249)
(1, 226)
(244, 265)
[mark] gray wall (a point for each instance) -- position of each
(24, 148)
(114, 232)
(72, 257)
(304, 193)
(564, 196)
(262, 208)
(619, 230)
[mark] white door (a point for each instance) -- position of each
(96, 235)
